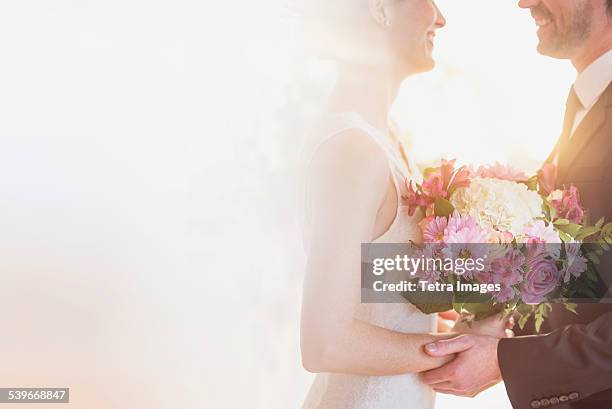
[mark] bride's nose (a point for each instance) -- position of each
(440, 19)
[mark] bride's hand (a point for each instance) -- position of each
(494, 326)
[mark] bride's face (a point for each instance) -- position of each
(412, 28)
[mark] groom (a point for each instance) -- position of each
(571, 366)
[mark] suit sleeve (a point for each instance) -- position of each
(570, 363)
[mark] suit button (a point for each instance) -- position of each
(544, 402)
(535, 404)
(554, 400)
(573, 396)
(563, 398)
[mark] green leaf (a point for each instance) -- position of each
(429, 302)
(600, 223)
(545, 308)
(591, 275)
(443, 207)
(571, 307)
(539, 320)
(571, 228)
(532, 183)
(523, 320)
(561, 222)
(433, 308)
(553, 212)
(593, 257)
(565, 237)
(588, 292)
(587, 231)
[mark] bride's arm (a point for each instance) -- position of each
(349, 178)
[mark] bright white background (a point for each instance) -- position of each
(150, 250)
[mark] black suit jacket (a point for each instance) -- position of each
(571, 366)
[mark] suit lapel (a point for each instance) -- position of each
(587, 128)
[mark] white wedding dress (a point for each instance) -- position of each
(341, 391)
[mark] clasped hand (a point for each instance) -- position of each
(475, 366)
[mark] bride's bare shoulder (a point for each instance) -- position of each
(352, 150)
(350, 163)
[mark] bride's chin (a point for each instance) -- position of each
(427, 64)
(421, 67)
(406, 67)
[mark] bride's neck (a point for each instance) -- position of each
(369, 92)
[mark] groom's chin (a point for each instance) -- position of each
(551, 49)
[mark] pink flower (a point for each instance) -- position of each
(438, 182)
(467, 235)
(508, 270)
(576, 264)
(568, 205)
(539, 232)
(547, 179)
(414, 198)
(466, 240)
(454, 179)
(433, 231)
(505, 294)
(483, 277)
(434, 186)
(541, 278)
(503, 172)
(444, 180)
(430, 252)
(456, 222)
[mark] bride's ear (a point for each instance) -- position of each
(378, 13)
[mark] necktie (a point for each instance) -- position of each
(572, 106)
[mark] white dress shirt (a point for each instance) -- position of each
(591, 83)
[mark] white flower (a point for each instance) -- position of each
(499, 204)
(555, 195)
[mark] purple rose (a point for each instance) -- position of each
(541, 278)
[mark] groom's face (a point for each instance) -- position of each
(563, 25)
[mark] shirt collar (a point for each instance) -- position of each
(594, 80)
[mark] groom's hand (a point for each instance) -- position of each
(474, 369)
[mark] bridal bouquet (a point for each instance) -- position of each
(526, 237)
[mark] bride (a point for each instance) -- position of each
(365, 355)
